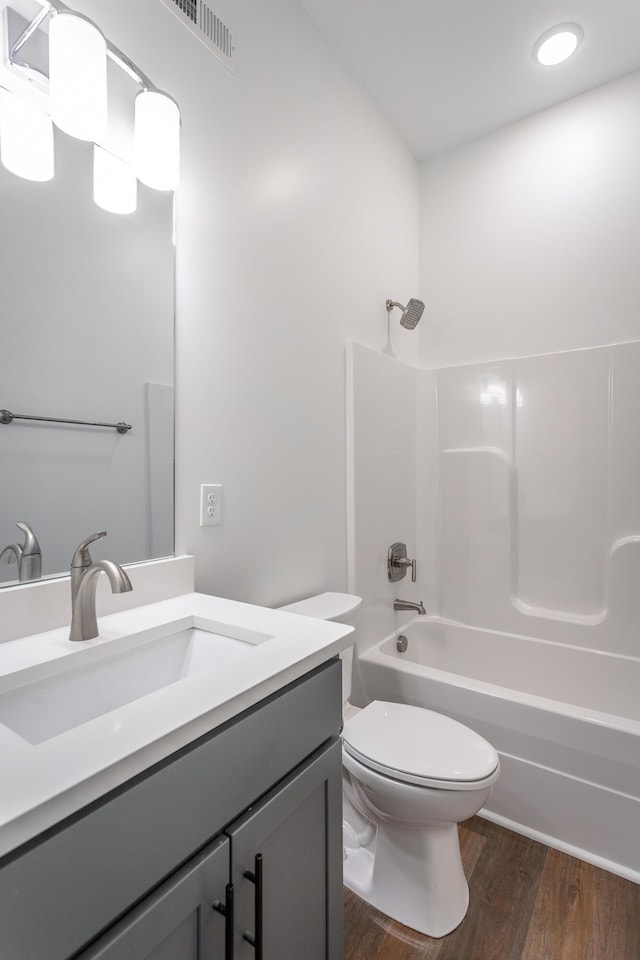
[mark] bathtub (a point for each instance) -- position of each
(565, 720)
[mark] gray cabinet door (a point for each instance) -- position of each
(290, 897)
(178, 921)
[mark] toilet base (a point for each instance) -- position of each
(413, 876)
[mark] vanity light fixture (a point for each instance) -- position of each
(557, 44)
(115, 187)
(26, 139)
(77, 101)
(78, 76)
(157, 140)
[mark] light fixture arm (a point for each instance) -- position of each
(50, 8)
(47, 8)
(129, 66)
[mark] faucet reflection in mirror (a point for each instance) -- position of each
(65, 82)
(28, 556)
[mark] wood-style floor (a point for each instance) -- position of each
(527, 902)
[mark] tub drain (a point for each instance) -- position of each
(402, 643)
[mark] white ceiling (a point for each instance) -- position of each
(448, 71)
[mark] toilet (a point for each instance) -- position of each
(410, 775)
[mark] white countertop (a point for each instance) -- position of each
(45, 782)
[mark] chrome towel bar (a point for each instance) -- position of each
(6, 416)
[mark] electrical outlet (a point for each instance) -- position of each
(210, 504)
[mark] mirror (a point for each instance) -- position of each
(87, 333)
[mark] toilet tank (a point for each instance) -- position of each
(340, 607)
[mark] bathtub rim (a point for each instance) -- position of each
(599, 718)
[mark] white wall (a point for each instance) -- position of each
(529, 236)
(297, 217)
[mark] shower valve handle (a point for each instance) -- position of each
(398, 562)
(405, 563)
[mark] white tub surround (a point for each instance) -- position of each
(565, 721)
(538, 518)
(57, 776)
(516, 486)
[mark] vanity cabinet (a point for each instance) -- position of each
(285, 841)
(259, 891)
(179, 921)
(230, 848)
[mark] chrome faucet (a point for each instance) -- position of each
(410, 605)
(28, 556)
(84, 580)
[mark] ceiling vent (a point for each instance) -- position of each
(208, 27)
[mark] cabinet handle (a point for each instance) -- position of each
(255, 939)
(226, 909)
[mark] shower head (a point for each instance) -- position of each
(410, 314)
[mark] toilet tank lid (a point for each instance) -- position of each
(325, 606)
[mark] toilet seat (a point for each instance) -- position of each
(419, 746)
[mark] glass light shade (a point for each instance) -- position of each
(115, 187)
(558, 44)
(78, 77)
(157, 140)
(26, 139)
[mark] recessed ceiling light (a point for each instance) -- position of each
(557, 44)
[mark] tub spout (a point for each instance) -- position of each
(410, 605)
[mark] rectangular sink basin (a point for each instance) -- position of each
(91, 683)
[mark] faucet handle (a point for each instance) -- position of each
(398, 561)
(82, 557)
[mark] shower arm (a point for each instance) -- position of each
(394, 303)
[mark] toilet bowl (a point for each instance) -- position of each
(410, 775)
(414, 774)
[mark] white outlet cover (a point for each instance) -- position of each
(210, 504)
